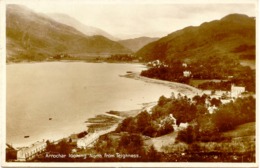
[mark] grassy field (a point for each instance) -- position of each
(237, 146)
(243, 130)
(197, 82)
(160, 142)
(250, 63)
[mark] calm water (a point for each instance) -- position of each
(69, 93)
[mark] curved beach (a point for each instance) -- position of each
(184, 89)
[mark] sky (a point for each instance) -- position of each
(131, 18)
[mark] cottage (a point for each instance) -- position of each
(91, 138)
(28, 153)
(175, 126)
(211, 109)
(236, 91)
(184, 65)
(186, 73)
(155, 63)
(87, 140)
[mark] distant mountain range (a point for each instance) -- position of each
(87, 30)
(232, 36)
(35, 36)
(137, 43)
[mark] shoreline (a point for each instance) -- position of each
(99, 119)
(181, 88)
(109, 121)
(84, 61)
(111, 118)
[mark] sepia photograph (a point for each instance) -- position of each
(128, 83)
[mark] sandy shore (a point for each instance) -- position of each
(184, 89)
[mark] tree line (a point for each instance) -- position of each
(213, 67)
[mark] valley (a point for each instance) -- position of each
(82, 94)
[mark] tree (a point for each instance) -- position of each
(143, 121)
(215, 102)
(64, 147)
(131, 143)
(188, 135)
(153, 155)
(127, 125)
(50, 146)
(201, 110)
(167, 127)
(183, 110)
(82, 134)
(230, 115)
(162, 101)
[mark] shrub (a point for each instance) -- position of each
(230, 115)
(131, 143)
(188, 135)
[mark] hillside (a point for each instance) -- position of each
(232, 36)
(137, 43)
(33, 36)
(87, 30)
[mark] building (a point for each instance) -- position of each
(236, 91)
(87, 140)
(155, 63)
(28, 153)
(211, 109)
(91, 138)
(184, 65)
(186, 73)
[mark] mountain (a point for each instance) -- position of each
(232, 36)
(136, 43)
(87, 30)
(35, 36)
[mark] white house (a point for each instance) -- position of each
(184, 65)
(236, 91)
(186, 73)
(28, 153)
(175, 126)
(155, 63)
(87, 140)
(211, 109)
(91, 138)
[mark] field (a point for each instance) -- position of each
(250, 63)
(197, 82)
(242, 131)
(238, 145)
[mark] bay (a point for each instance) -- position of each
(69, 93)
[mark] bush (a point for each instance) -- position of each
(188, 135)
(208, 128)
(144, 124)
(131, 144)
(166, 73)
(82, 134)
(230, 115)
